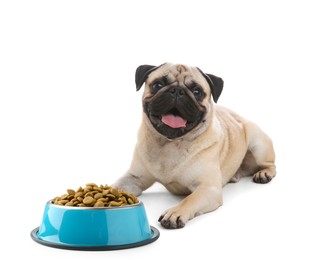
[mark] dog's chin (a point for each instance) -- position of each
(174, 130)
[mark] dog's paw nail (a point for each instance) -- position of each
(165, 223)
(180, 223)
(160, 218)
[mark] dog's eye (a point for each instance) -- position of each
(197, 92)
(156, 86)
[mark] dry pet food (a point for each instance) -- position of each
(95, 196)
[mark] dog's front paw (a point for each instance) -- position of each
(173, 218)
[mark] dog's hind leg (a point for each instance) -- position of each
(261, 148)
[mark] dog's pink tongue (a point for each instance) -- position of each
(173, 121)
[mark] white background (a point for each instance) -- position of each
(69, 115)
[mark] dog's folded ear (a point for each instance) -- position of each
(142, 73)
(215, 83)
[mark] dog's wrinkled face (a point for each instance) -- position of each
(176, 98)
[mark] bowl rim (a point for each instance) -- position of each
(140, 203)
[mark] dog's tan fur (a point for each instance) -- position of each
(221, 149)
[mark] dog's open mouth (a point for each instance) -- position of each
(173, 119)
(172, 124)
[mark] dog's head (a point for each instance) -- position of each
(177, 98)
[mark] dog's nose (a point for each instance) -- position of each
(177, 91)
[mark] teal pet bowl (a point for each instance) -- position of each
(85, 228)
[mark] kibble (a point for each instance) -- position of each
(95, 196)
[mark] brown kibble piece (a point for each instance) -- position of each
(79, 194)
(98, 196)
(91, 184)
(69, 203)
(71, 192)
(88, 200)
(99, 204)
(115, 192)
(105, 192)
(115, 203)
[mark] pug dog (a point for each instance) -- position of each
(189, 144)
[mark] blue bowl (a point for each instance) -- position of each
(85, 228)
